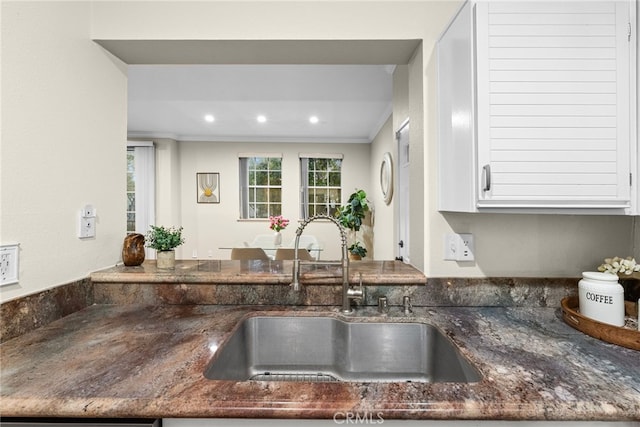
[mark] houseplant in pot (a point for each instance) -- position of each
(164, 240)
(351, 217)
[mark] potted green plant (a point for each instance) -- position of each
(164, 240)
(351, 217)
(357, 251)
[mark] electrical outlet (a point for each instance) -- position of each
(9, 255)
(466, 248)
(86, 227)
(89, 211)
(459, 247)
(87, 222)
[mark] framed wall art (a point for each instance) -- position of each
(208, 187)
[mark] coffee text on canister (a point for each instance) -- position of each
(604, 299)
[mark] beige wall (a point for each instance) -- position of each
(209, 227)
(383, 217)
(63, 144)
(64, 135)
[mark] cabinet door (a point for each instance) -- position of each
(456, 115)
(553, 109)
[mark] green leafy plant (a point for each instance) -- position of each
(357, 249)
(163, 238)
(351, 217)
(352, 214)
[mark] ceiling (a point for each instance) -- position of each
(173, 84)
(350, 102)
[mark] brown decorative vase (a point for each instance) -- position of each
(133, 250)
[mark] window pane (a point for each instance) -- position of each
(262, 163)
(321, 179)
(275, 209)
(334, 179)
(321, 164)
(275, 163)
(334, 165)
(275, 178)
(275, 195)
(321, 196)
(131, 201)
(262, 178)
(131, 222)
(334, 196)
(262, 211)
(262, 195)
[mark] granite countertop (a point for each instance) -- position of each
(148, 361)
(261, 272)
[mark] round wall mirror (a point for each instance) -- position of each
(386, 177)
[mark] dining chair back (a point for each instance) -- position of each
(249, 253)
(288, 253)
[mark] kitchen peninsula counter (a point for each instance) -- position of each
(261, 272)
(148, 361)
(253, 282)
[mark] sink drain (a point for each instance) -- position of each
(296, 377)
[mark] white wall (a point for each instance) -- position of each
(209, 227)
(383, 217)
(63, 144)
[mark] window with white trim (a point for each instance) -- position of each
(320, 184)
(140, 186)
(260, 186)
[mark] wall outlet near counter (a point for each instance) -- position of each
(459, 247)
(9, 264)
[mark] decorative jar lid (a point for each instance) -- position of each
(596, 275)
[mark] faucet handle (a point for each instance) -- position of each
(357, 293)
(406, 304)
(383, 305)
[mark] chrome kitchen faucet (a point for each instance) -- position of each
(348, 293)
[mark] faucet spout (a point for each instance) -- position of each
(347, 293)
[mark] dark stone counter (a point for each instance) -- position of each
(148, 361)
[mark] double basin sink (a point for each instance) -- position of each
(325, 348)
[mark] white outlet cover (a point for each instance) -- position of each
(459, 247)
(87, 227)
(9, 256)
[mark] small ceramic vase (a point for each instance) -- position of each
(133, 250)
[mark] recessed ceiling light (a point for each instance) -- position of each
(261, 119)
(209, 118)
(314, 119)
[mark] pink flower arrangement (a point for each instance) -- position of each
(278, 223)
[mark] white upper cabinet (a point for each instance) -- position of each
(537, 107)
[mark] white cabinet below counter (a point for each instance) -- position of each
(537, 108)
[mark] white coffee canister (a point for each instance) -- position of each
(601, 297)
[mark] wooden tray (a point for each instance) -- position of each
(619, 335)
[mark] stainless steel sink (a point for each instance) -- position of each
(286, 348)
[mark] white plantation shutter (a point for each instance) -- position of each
(553, 103)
